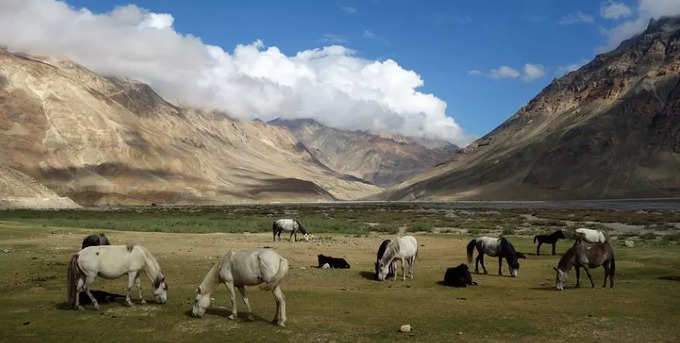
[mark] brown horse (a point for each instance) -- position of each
(586, 256)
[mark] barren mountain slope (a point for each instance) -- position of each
(383, 159)
(102, 140)
(608, 130)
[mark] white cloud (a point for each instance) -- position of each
(529, 73)
(577, 17)
(503, 72)
(533, 72)
(368, 34)
(330, 84)
(615, 10)
(349, 9)
(647, 9)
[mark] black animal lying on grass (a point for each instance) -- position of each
(458, 276)
(333, 262)
(94, 240)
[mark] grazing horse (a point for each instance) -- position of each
(93, 240)
(403, 248)
(333, 262)
(111, 262)
(586, 256)
(289, 225)
(493, 247)
(458, 276)
(240, 268)
(591, 236)
(549, 239)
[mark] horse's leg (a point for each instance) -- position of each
(590, 277)
(232, 296)
(481, 258)
(413, 267)
(79, 288)
(88, 282)
(554, 251)
(578, 277)
(244, 296)
(606, 274)
(290, 239)
(280, 318)
(139, 288)
(477, 264)
(403, 272)
(500, 265)
(131, 281)
(538, 248)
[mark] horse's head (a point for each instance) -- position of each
(560, 234)
(560, 278)
(160, 290)
(306, 237)
(201, 303)
(382, 270)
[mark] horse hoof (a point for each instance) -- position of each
(80, 308)
(250, 317)
(143, 302)
(231, 316)
(130, 304)
(281, 324)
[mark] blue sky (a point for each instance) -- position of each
(452, 45)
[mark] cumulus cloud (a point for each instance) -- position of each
(529, 73)
(646, 10)
(577, 17)
(348, 9)
(330, 84)
(615, 10)
(533, 72)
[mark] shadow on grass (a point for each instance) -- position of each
(368, 275)
(670, 278)
(242, 316)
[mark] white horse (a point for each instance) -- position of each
(240, 268)
(591, 236)
(111, 262)
(289, 225)
(403, 248)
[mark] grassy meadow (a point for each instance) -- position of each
(344, 305)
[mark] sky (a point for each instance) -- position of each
(443, 69)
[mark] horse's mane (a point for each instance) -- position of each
(507, 246)
(391, 250)
(567, 257)
(151, 262)
(383, 246)
(302, 229)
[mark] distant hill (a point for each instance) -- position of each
(381, 158)
(608, 130)
(103, 140)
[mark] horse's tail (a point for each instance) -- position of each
(278, 277)
(470, 250)
(74, 274)
(535, 239)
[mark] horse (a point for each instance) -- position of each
(586, 256)
(403, 248)
(111, 262)
(333, 262)
(591, 236)
(93, 240)
(240, 268)
(549, 239)
(493, 247)
(458, 276)
(289, 225)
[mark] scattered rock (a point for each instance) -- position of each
(629, 244)
(6, 251)
(406, 328)
(460, 333)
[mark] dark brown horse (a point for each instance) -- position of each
(586, 256)
(549, 239)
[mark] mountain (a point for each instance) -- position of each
(381, 158)
(18, 190)
(608, 130)
(104, 140)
